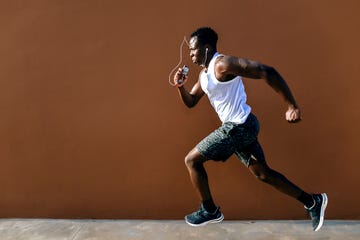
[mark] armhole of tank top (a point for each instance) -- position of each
(214, 74)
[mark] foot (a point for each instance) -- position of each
(202, 217)
(317, 212)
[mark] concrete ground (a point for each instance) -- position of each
(51, 229)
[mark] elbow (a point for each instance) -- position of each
(191, 102)
(268, 72)
(190, 105)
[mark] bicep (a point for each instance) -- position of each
(247, 68)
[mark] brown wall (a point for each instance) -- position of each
(90, 128)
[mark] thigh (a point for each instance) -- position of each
(257, 164)
(245, 134)
(218, 145)
(251, 154)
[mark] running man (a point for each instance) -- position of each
(220, 79)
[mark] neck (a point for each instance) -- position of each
(207, 59)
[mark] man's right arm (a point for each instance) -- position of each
(190, 99)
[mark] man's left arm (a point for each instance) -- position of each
(255, 70)
(274, 79)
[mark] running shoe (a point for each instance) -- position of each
(317, 212)
(203, 217)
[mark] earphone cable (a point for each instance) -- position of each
(180, 61)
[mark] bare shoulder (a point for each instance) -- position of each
(239, 66)
(225, 59)
(232, 61)
(225, 62)
(230, 64)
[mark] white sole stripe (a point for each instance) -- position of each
(217, 220)
(322, 211)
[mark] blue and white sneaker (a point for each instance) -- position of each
(203, 217)
(317, 212)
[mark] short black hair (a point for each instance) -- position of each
(206, 35)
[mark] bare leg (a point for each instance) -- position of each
(264, 173)
(194, 162)
(208, 212)
(275, 179)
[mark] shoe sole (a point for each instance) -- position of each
(217, 220)
(322, 211)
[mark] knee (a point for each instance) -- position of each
(189, 161)
(193, 160)
(260, 176)
(264, 176)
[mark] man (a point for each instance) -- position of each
(221, 81)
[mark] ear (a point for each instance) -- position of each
(207, 47)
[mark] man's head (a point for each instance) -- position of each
(206, 36)
(202, 45)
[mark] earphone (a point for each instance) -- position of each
(203, 65)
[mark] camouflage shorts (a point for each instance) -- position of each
(231, 138)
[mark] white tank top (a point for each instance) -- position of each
(227, 98)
